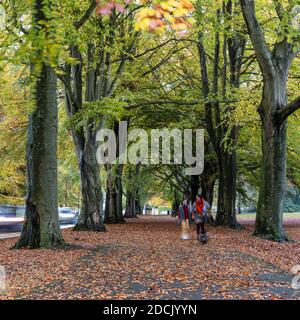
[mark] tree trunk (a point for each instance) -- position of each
(84, 138)
(119, 196)
(41, 226)
(226, 213)
(209, 175)
(175, 207)
(274, 111)
(90, 218)
(220, 217)
(113, 207)
(138, 206)
(269, 218)
(114, 189)
(207, 187)
(194, 186)
(230, 189)
(130, 211)
(234, 48)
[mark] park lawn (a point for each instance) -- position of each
(286, 215)
(145, 259)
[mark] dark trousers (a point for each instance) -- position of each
(200, 227)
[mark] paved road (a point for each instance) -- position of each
(11, 227)
(9, 235)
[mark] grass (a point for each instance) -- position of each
(286, 215)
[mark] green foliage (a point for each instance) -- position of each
(13, 123)
(111, 108)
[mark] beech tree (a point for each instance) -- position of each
(41, 225)
(84, 136)
(216, 89)
(274, 111)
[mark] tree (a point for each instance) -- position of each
(84, 138)
(104, 57)
(218, 108)
(274, 110)
(41, 225)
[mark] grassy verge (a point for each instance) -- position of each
(287, 215)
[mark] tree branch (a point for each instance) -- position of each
(122, 66)
(261, 49)
(78, 24)
(149, 103)
(279, 9)
(203, 66)
(290, 108)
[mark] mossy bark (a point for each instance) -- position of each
(113, 204)
(269, 219)
(41, 226)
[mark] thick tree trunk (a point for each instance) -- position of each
(269, 219)
(119, 197)
(209, 175)
(114, 189)
(130, 211)
(226, 213)
(41, 226)
(220, 217)
(207, 187)
(230, 189)
(113, 205)
(138, 206)
(194, 186)
(274, 110)
(232, 48)
(235, 48)
(90, 218)
(133, 205)
(175, 207)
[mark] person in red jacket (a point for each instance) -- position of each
(199, 215)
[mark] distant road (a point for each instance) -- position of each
(9, 235)
(11, 226)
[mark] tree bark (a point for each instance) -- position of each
(274, 110)
(114, 188)
(227, 210)
(207, 187)
(90, 218)
(130, 211)
(84, 138)
(194, 187)
(269, 219)
(233, 51)
(41, 225)
(113, 207)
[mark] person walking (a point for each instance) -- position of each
(184, 213)
(200, 218)
(207, 213)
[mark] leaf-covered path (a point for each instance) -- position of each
(145, 259)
